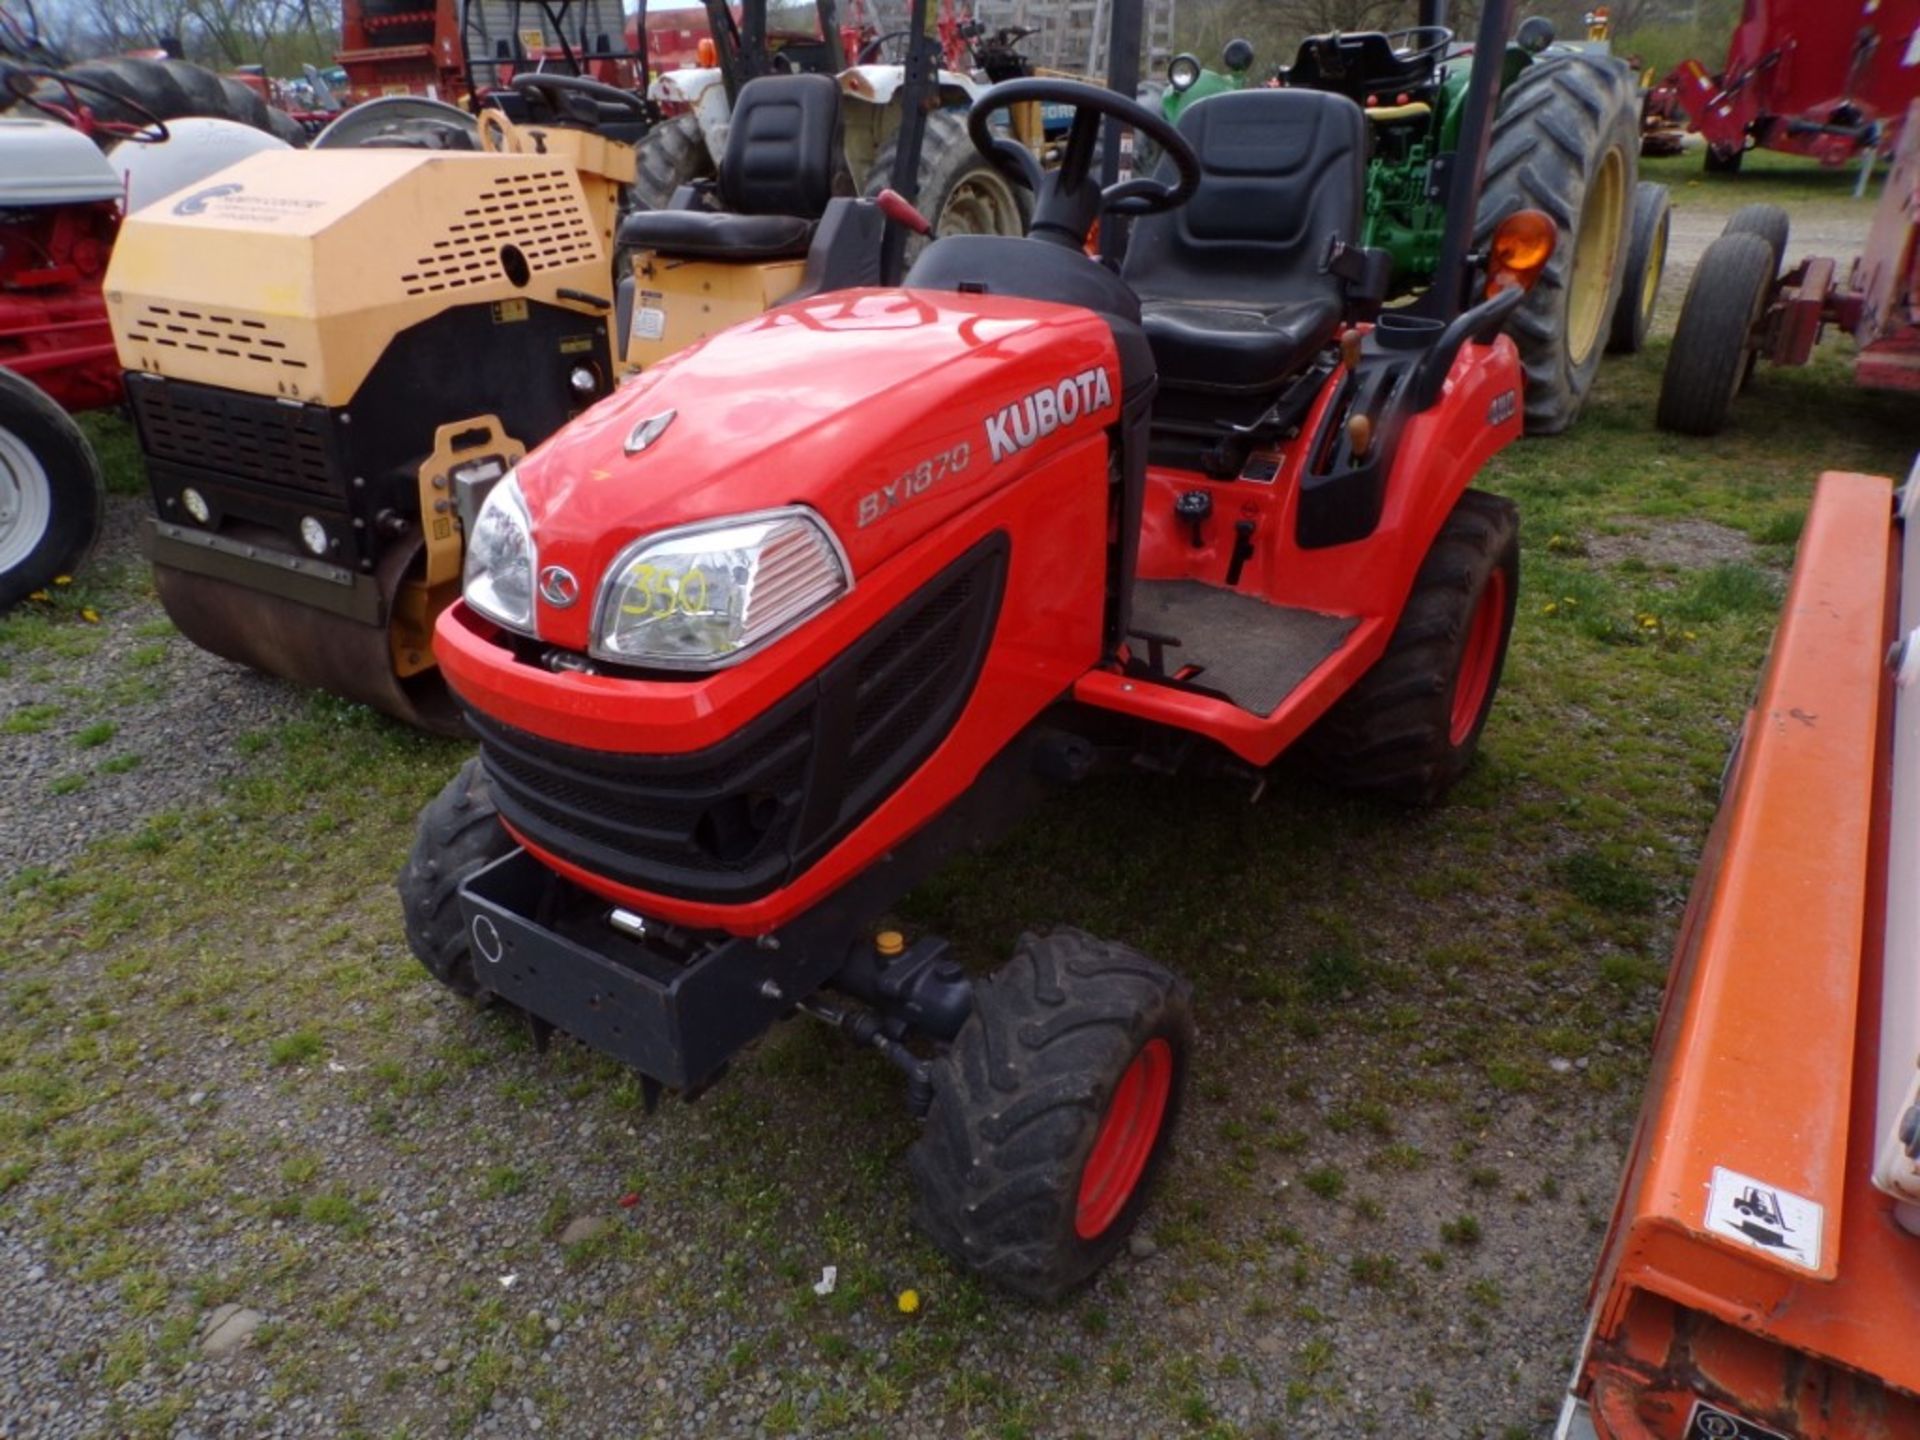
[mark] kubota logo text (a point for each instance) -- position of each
(1018, 425)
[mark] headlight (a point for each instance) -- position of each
(709, 594)
(1183, 71)
(500, 562)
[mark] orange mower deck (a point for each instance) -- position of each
(1754, 1282)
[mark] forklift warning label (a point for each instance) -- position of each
(1046, 410)
(1778, 1222)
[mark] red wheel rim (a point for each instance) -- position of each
(1477, 660)
(1128, 1133)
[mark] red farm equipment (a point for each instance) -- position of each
(1741, 307)
(871, 573)
(433, 47)
(1825, 78)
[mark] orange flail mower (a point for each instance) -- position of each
(1762, 1274)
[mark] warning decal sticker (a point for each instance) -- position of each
(1772, 1220)
(1708, 1422)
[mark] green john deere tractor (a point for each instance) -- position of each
(1565, 141)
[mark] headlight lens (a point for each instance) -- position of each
(1183, 71)
(709, 594)
(498, 581)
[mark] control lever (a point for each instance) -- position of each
(897, 208)
(1242, 550)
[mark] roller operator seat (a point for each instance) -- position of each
(784, 162)
(1233, 295)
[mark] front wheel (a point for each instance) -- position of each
(459, 833)
(1716, 341)
(1052, 1110)
(1409, 728)
(52, 495)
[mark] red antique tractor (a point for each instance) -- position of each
(757, 642)
(61, 204)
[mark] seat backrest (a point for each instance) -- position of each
(783, 147)
(1282, 172)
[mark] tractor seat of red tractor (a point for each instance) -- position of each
(784, 166)
(1236, 294)
(1049, 262)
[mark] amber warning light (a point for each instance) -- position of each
(1521, 246)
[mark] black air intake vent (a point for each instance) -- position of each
(737, 820)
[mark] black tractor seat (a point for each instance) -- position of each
(1234, 292)
(784, 163)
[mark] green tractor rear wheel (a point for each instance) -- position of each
(1646, 260)
(1566, 142)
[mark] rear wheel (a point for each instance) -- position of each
(1566, 142)
(1409, 729)
(1646, 260)
(1770, 222)
(1714, 343)
(671, 154)
(128, 91)
(52, 495)
(958, 190)
(459, 833)
(1051, 1112)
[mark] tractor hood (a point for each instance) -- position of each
(884, 411)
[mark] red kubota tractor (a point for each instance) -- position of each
(757, 642)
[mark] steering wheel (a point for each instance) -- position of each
(1138, 196)
(871, 52)
(1420, 42)
(548, 86)
(151, 131)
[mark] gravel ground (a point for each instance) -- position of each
(176, 714)
(265, 1107)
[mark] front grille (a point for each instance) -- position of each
(246, 437)
(732, 822)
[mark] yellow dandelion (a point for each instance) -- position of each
(39, 595)
(1549, 608)
(90, 615)
(63, 579)
(909, 1301)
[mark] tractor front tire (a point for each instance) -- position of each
(459, 833)
(1566, 142)
(1052, 1110)
(1714, 343)
(671, 154)
(1770, 222)
(1409, 729)
(958, 190)
(52, 495)
(1646, 262)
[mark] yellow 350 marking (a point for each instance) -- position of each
(667, 592)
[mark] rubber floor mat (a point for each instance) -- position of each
(1253, 653)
